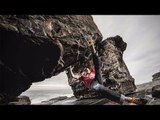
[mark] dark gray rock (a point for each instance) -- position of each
(5, 99)
(54, 100)
(63, 100)
(156, 91)
(155, 102)
(144, 89)
(12, 100)
(36, 47)
(115, 72)
(156, 76)
(21, 100)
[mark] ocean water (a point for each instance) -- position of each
(37, 96)
(49, 88)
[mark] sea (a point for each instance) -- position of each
(38, 96)
(49, 88)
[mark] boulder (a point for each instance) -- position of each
(36, 47)
(156, 76)
(156, 91)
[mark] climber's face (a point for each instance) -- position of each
(86, 71)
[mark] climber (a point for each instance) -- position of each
(92, 79)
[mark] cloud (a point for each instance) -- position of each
(56, 82)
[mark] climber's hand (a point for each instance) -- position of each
(91, 42)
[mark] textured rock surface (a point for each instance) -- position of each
(145, 91)
(63, 100)
(21, 100)
(115, 72)
(33, 48)
(147, 87)
(156, 91)
(156, 76)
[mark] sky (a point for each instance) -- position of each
(142, 56)
(141, 33)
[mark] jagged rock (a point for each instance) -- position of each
(64, 100)
(35, 47)
(61, 100)
(12, 100)
(155, 102)
(115, 72)
(156, 76)
(5, 99)
(144, 89)
(156, 91)
(54, 100)
(21, 100)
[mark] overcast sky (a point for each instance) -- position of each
(141, 33)
(142, 56)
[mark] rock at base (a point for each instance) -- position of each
(156, 91)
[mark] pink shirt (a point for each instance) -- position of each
(87, 79)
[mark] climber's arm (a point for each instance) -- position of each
(72, 74)
(91, 44)
(96, 60)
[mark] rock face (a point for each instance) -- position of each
(156, 76)
(115, 73)
(156, 88)
(146, 90)
(156, 91)
(35, 47)
(64, 100)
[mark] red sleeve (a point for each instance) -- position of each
(93, 70)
